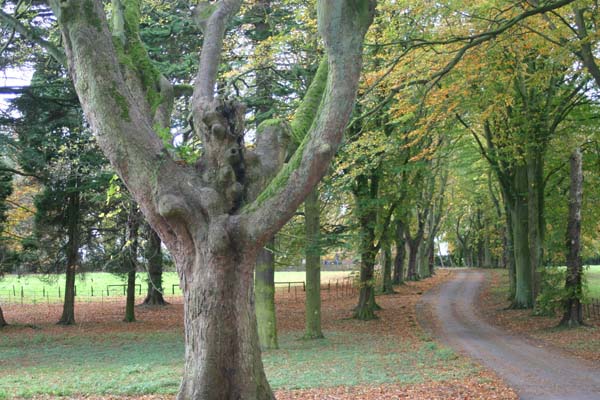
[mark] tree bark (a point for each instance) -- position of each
(413, 249)
(400, 254)
(2, 320)
(573, 311)
(508, 254)
(223, 359)
(264, 290)
(423, 260)
(520, 221)
(73, 242)
(365, 310)
(130, 260)
(386, 249)
(366, 191)
(431, 260)
(312, 308)
(535, 208)
(154, 256)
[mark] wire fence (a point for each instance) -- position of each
(285, 291)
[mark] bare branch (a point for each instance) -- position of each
(210, 57)
(28, 33)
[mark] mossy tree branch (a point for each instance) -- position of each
(342, 25)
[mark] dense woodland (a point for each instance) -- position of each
(223, 139)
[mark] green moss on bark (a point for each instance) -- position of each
(133, 55)
(301, 124)
(121, 103)
(91, 16)
(266, 124)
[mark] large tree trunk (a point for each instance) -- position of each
(73, 215)
(413, 249)
(205, 213)
(313, 266)
(366, 192)
(365, 310)
(154, 296)
(400, 254)
(573, 311)
(520, 221)
(223, 359)
(264, 290)
(386, 249)
(423, 260)
(2, 320)
(535, 202)
(130, 260)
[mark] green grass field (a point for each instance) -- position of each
(41, 288)
(592, 275)
(150, 363)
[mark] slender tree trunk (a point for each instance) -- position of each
(264, 290)
(400, 255)
(130, 261)
(73, 215)
(423, 260)
(431, 255)
(487, 254)
(520, 218)
(223, 360)
(130, 301)
(413, 249)
(154, 297)
(508, 253)
(573, 311)
(387, 287)
(313, 267)
(2, 320)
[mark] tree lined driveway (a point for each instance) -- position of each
(535, 372)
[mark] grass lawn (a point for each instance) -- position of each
(592, 274)
(41, 288)
(150, 363)
(102, 357)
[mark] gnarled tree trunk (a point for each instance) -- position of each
(223, 359)
(207, 214)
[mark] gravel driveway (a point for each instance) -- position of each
(533, 370)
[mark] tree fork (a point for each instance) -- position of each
(202, 214)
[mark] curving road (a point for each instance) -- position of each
(533, 371)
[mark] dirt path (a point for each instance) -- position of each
(533, 371)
